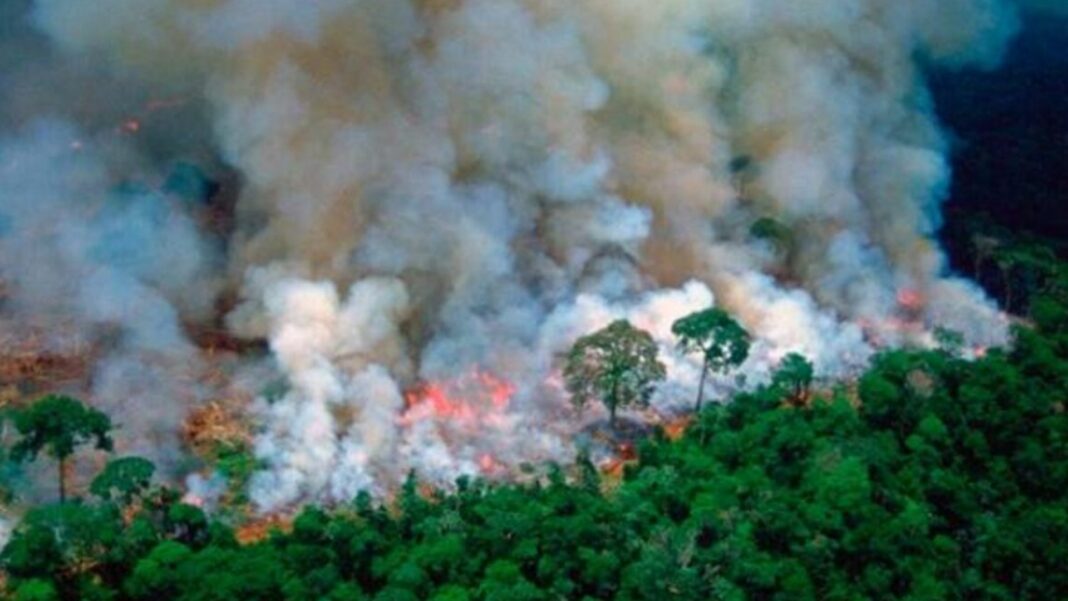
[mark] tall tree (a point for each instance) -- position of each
(123, 479)
(794, 376)
(722, 342)
(617, 365)
(58, 424)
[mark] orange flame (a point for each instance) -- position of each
(910, 299)
(475, 398)
(488, 464)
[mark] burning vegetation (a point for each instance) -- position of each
(471, 401)
(352, 275)
(541, 299)
(36, 359)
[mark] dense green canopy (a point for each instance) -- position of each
(932, 478)
(929, 477)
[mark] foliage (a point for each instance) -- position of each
(933, 477)
(125, 479)
(237, 463)
(772, 230)
(953, 485)
(1017, 267)
(617, 365)
(721, 341)
(794, 376)
(56, 425)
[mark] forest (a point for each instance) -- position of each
(533, 300)
(932, 476)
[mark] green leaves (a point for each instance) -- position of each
(124, 479)
(794, 376)
(617, 365)
(721, 341)
(63, 543)
(939, 478)
(57, 424)
(155, 576)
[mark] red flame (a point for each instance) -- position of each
(134, 123)
(472, 399)
(910, 299)
(488, 464)
(500, 391)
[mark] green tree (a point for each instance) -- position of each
(36, 590)
(57, 425)
(617, 365)
(794, 375)
(505, 582)
(451, 592)
(773, 231)
(157, 575)
(125, 479)
(722, 342)
(933, 477)
(70, 544)
(949, 341)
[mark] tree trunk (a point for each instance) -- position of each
(613, 403)
(1006, 276)
(62, 479)
(701, 388)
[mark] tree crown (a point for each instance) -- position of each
(617, 364)
(716, 335)
(125, 478)
(57, 424)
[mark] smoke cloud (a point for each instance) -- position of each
(436, 197)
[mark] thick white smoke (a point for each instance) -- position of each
(439, 196)
(105, 270)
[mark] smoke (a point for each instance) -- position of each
(1055, 7)
(106, 269)
(7, 526)
(438, 197)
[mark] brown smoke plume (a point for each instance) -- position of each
(433, 189)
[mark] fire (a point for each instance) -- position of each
(910, 299)
(134, 124)
(675, 429)
(488, 464)
(500, 391)
(472, 399)
(131, 126)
